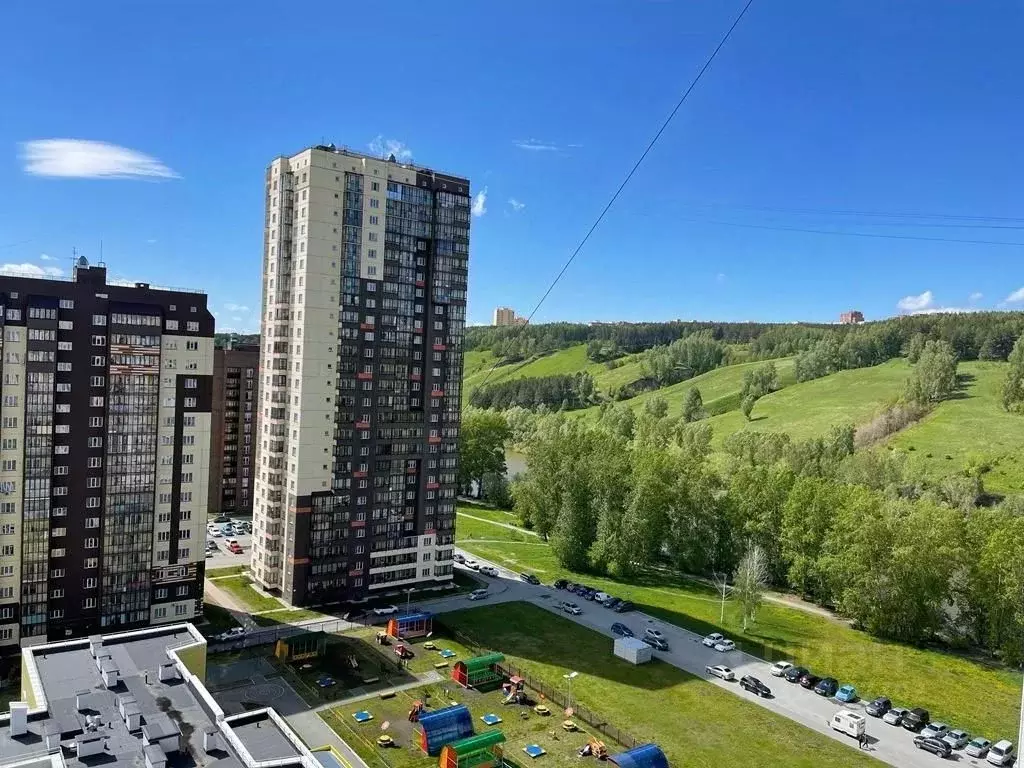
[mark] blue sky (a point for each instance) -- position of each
(812, 111)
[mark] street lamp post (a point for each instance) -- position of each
(569, 678)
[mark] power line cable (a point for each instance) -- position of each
(625, 181)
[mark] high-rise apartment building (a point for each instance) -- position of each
(364, 300)
(233, 434)
(507, 316)
(104, 455)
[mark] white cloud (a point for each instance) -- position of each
(976, 296)
(237, 319)
(516, 205)
(480, 202)
(151, 240)
(385, 147)
(916, 303)
(1016, 296)
(720, 277)
(45, 257)
(945, 311)
(536, 145)
(30, 270)
(81, 159)
(230, 306)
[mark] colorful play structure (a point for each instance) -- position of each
(411, 626)
(480, 751)
(513, 691)
(311, 645)
(643, 756)
(478, 672)
(443, 727)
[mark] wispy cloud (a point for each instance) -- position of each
(1016, 296)
(720, 277)
(916, 303)
(30, 270)
(45, 257)
(81, 159)
(945, 310)
(151, 240)
(516, 204)
(536, 145)
(976, 296)
(384, 147)
(231, 306)
(480, 202)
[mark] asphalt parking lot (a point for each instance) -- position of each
(225, 559)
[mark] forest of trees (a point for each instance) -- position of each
(565, 392)
(907, 558)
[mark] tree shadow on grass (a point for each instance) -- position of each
(963, 383)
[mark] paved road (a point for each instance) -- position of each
(892, 745)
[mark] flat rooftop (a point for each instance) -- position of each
(87, 684)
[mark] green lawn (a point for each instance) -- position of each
(719, 389)
(240, 588)
(569, 360)
(971, 425)
(468, 529)
(288, 616)
(808, 409)
(487, 512)
(233, 570)
(947, 685)
(608, 379)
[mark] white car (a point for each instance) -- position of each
(385, 610)
(214, 531)
(779, 668)
(712, 640)
(458, 557)
(235, 633)
(478, 594)
(489, 570)
(721, 671)
(725, 646)
(654, 633)
(602, 597)
(473, 564)
(572, 609)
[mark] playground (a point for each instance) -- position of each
(520, 725)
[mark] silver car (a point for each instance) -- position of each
(721, 671)
(956, 738)
(894, 716)
(978, 747)
(934, 730)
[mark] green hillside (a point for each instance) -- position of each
(568, 360)
(810, 408)
(973, 425)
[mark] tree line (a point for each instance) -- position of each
(906, 557)
(565, 392)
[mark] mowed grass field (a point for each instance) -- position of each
(974, 424)
(478, 368)
(694, 722)
(809, 408)
(984, 700)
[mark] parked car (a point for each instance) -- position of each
(935, 730)
(655, 642)
(712, 640)
(894, 715)
(827, 687)
(624, 607)
(560, 584)
(878, 707)
(222, 519)
(725, 646)
(935, 746)
(846, 693)
(214, 531)
(621, 630)
(720, 671)
(458, 557)
(1001, 753)
(601, 597)
(850, 723)
(612, 602)
(571, 608)
(589, 593)
(956, 738)
(571, 586)
(779, 668)
(809, 680)
(489, 570)
(978, 747)
(385, 610)
(235, 548)
(755, 686)
(472, 564)
(235, 633)
(793, 674)
(916, 719)
(655, 633)
(478, 594)
(529, 578)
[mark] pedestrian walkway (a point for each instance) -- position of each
(217, 596)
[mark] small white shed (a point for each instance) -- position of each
(632, 649)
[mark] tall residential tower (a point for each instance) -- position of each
(104, 455)
(364, 303)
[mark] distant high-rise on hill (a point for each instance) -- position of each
(852, 317)
(507, 316)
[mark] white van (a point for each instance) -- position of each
(1000, 753)
(848, 722)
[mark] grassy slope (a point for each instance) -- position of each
(568, 360)
(810, 408)
(945, 684)
(972, 424)
(696, 724)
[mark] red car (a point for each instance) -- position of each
(235, 547)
